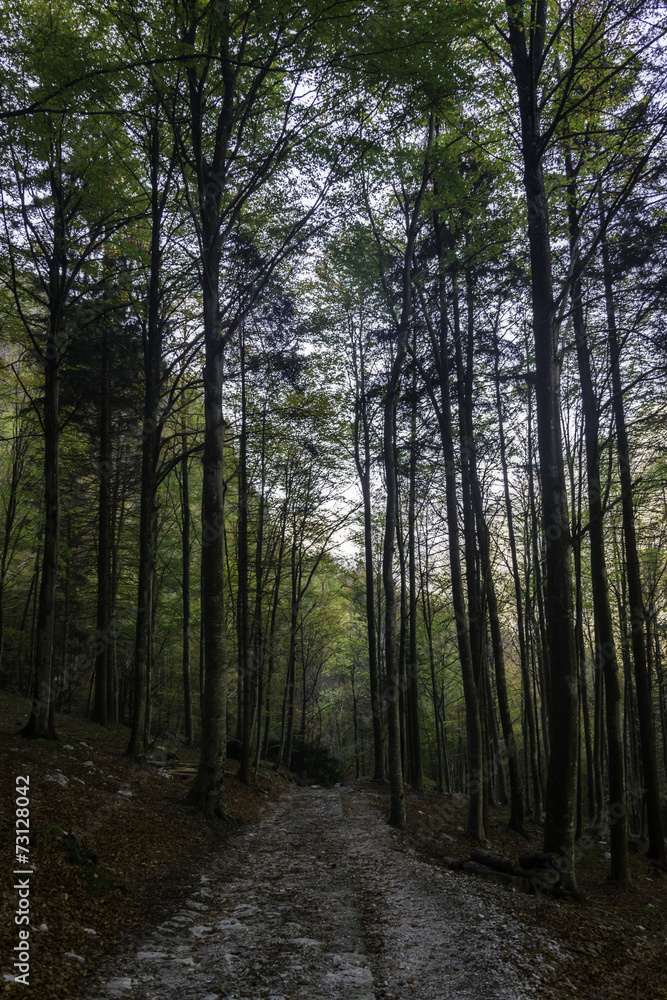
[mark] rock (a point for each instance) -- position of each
(78, 958)
(57, 779)
(199, 930)
(119, 984)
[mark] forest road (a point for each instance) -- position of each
(323, 901)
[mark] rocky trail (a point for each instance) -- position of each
(321, 899)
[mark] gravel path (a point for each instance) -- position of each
(322, 900)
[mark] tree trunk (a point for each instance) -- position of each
(272, 628)
(443, 410)
(468, 474)
(245, 708)
(397, 815)
(412, 691)
(531, 741)
(41, 723)
(100, 709)
(185, 591)
(402, 631)
(19, 449)
(656, 845)
(364, 473)
(363, 464)
(207, 787)
(150, 449)
(605, 647)
(563, 699)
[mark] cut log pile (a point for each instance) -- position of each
(537, 873)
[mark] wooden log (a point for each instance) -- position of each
(540, 879)
(450, 862)
(499, 862)
(538, 859)
(517, 882)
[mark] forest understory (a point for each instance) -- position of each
(117, 853)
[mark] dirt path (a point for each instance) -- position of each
(322, 900)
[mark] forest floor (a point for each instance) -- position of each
(308, 894)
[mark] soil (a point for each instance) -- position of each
(306, 893)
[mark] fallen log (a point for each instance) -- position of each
(499, 862)
(450, 862)
(518, 882)
(540, 879)
(538, 859)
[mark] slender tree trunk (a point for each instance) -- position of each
(516, 797)
(363, 464)
(207, 787)
(41, 723)
(150, 448)
(397, 815)
(19, 449)
(468, 474)
(290, 684)
(540, 647)
(563, 698)
(185, 591)
(443, 409)
(257, 637)
(416, 767)
(662, 699)
(272, 628)
(531, 741)
(605, 647)
(428, 625)
(656, 846)
(402, 633)
(245, 708)
(100, 709)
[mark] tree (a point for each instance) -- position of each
(58, 213)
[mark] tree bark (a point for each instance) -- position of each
(605, 647)
(442, 405)
(185, 591)
(656, 845)
(397, 816)
(363, 464)
(41, 723)
(207, 787)
(563, 701)
(412, 691)
(151, 431)
(100, 708)
(245, 708)
(532, 748)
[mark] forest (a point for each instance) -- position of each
(332, 394)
